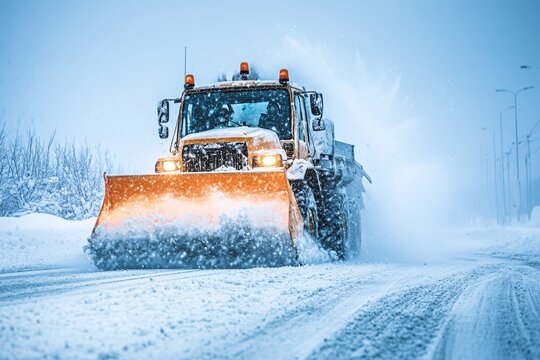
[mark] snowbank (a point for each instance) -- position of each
(509, 241)
(535, 217)
(40, 241)
(513, 241)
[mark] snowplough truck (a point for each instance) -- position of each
(254, 177)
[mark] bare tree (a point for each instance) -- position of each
(29, 175)
(80, 184)
(4, 174)
(41, 176)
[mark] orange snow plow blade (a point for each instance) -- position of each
(196, 220)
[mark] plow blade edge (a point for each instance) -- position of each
(205, 220)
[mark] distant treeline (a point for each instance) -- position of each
(43, 175)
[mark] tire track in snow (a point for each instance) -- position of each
(21, 290)
(400, 325)
(304, 324)
(496, 318)
(37, 272)
(313, 316)
(255, 313)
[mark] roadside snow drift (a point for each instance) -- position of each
(42, 241)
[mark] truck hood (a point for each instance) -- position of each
(256, 138)
(234, 132)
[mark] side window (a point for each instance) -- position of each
(300, 116)
(186, 119)
(305, 124)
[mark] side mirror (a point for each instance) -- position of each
(163, 117)
(316, 101)
(163, 112)
(163, 131)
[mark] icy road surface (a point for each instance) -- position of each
(55, 304)
(474, 307)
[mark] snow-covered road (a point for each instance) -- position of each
(478, 299)
(472, 307)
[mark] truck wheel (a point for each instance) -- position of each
(340, 227)
(342, 236)
(308, 208)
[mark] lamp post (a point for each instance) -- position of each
(528, 168)
(515, 93)
(528, 176)
(502, 163)
(484, 177)
(496, 183)
(507, 153)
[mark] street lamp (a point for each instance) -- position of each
(528, 168)
(500, 217)
(507, 153)
(484, 177)
(515, 93)
(502, 163)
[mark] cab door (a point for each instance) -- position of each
(301, 126)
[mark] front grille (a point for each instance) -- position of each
(215, 156)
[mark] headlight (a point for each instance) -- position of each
(272, 160)
(167, 166)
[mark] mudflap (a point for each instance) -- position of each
(196, 220)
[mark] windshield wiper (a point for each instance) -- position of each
(233, 122)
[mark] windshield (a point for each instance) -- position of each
(263, 108)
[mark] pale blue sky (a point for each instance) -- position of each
(95, 69)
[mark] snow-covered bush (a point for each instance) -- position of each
(46, 177)
(3, 166)
(27, 179)
(79, 179)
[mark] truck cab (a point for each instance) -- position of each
(230, 112)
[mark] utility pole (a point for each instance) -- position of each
(528, 176)
(528, 158)
(484, 179)
(508, 182)
(496, 185)
(528, 169)
(515, 93)
(504, 211)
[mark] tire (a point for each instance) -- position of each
(342, 236)
(308, 208)
(338, 226)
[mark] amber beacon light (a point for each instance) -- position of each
(283, 76)
(244, 68)
(189, 82)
